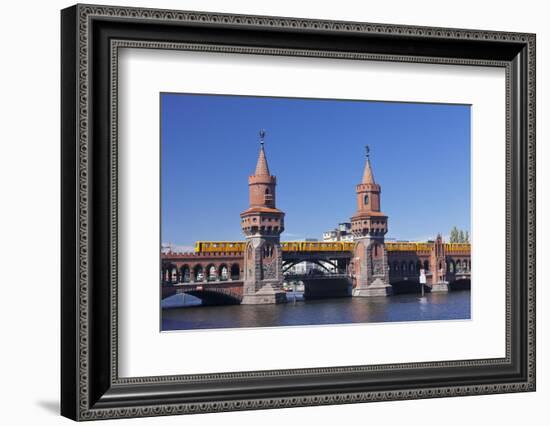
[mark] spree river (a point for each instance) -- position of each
(405, 307)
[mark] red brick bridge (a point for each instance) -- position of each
(214, 272)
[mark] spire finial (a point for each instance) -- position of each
(261, 167)
(367, 173)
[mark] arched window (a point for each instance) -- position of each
(411, 267)
(426, 265)
(267, 251)
(366, 199)
(268, 197)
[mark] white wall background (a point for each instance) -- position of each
(29, 211)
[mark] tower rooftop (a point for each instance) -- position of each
(368, 176)
(262, 169)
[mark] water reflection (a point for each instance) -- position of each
(405, 307)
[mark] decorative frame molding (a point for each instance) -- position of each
(91, 37)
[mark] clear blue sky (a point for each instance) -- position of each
(420, 155)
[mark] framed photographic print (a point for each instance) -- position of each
(263, 212)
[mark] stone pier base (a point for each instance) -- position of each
(372, 292)
(440, 287)
(377, 288)
(264, 299)
(267, 295)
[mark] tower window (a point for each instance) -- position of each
(366, 199)
(268, 196)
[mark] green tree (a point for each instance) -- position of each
(454, 235)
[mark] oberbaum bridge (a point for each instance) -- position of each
(253, 271)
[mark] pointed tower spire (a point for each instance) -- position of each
(262, 168)
(368, 176)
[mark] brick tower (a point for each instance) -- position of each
(368, 226)
(262, 223)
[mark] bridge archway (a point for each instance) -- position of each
(211, 272)
(396, 266)
(223, 272)
(451, 266)
(216, 297)
(320, 262)
(198, 272)
(404, 286)
(460, 284)
(235, 272)
(185, 274)
(170, 273)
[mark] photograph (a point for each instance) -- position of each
(280, 211)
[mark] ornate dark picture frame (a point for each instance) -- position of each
(91, 387)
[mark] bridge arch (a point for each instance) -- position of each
(235, 271)
(211, 272)
(198, 272)
(460, 284)
(223, 272)
(170, 273)
(396, 266)
(426, 265)
(290, 264)
(185, 274)
(451, 266)
(216, 297)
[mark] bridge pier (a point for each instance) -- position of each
(263, 282)
(371, 270)
(376, 289)
(442, 287)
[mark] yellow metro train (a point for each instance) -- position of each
(288, 246)
(317, 246)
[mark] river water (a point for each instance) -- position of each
(405, 307)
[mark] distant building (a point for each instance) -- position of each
(340, 233)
